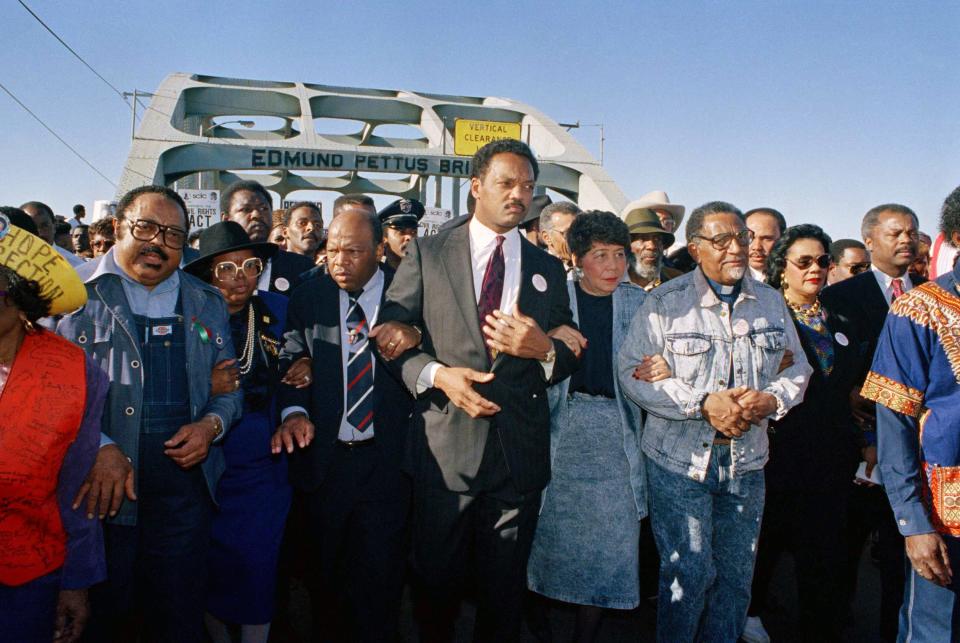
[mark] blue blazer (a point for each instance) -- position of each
(626, 302)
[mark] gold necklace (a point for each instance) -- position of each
(804, 310)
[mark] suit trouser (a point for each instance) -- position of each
(486, 537)
(811, 526)
(357, 520)
(869, 509)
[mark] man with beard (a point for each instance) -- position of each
(891, 233)
(303, 224)
(768, 226)
(400, 220)
(158, 332)
(705, 437)
(250, 204)
(848, 258)
(647, 242)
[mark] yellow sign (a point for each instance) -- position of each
(469, 136)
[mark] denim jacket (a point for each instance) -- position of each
(626, 301)
(106, 330)
(705, 343)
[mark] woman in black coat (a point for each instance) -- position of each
(814, 450)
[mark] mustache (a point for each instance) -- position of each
(157, 250)
(518, 203)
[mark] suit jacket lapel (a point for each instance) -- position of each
(456, 259)
(529, 300)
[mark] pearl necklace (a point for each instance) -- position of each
(246, 355)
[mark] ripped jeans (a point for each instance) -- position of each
(706, 533)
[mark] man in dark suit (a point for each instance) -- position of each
(250, 204)
(890, 232)
(350, 425)
(479, 296)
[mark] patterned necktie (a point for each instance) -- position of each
(359, 367)
(897, 287)
(491, 291)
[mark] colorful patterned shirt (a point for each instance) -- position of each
(915, 380)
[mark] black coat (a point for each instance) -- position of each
(816, 447)
(434, 290)
(290, 267)
(313, 329)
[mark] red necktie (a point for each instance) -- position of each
(897, 286)
(491, 291)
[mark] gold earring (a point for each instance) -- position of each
(28, 326)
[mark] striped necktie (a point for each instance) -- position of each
(359, 367)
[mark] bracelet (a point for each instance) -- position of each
(419, 333)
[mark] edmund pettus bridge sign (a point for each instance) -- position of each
(343, 139)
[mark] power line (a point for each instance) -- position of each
(57, 136)
(71, 50)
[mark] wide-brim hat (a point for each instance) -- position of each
(658, 200)
(224, 237)
(33, 258)
(645, 221)
(537, 204)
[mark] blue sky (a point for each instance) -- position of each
(820, 109)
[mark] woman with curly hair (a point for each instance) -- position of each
(814, 449)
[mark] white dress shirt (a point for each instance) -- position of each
(263, 283)
(886, 282)
(758, 275)
(370, 302)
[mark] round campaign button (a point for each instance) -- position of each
(842, 339)
(741, 327)
(539, 282)
(282, 284)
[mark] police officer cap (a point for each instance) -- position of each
(402, 213)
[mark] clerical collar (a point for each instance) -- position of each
(726, 294)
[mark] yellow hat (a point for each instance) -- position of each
(33, 258)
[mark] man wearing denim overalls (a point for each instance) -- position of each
(158, 333)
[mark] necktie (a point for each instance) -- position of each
(897, 287)
(359, 367)
(491, 291)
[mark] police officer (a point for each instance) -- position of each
(400, 220)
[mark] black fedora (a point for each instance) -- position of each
(224, 237)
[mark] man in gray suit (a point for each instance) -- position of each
(477, 297)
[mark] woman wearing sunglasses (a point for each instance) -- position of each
(253, 496)
(814, 450)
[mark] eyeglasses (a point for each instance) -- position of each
(146, 230)
(723, 241)
(805, 262)
(857, 268)
(227, 270)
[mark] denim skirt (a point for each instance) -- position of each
(586, 547)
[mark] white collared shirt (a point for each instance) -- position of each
(483, 241)
(885, 282)
(370, 303)
(758, 275)
(263, 283)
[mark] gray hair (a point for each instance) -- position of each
(695, 222)
(872, 217)
(563, 207)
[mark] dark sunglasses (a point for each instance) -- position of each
(857, 268)
(805, 262)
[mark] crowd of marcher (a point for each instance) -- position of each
(535, 404)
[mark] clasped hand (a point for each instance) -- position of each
(733, 411)
(516, 334)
